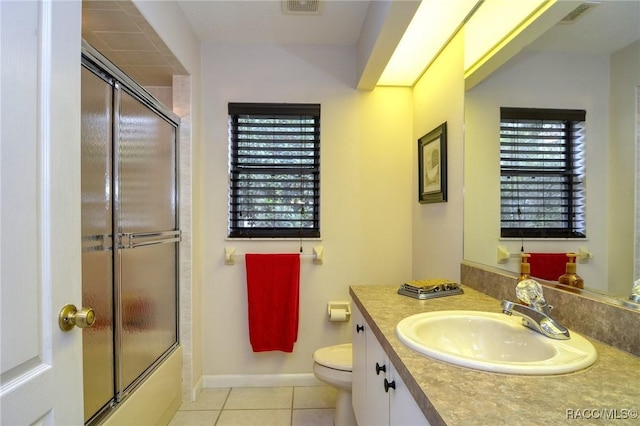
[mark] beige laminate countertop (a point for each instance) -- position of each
(452, 395)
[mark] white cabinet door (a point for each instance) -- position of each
(370, 402)
(403, 409)
(380, 397)
(40, 270)
(359, 367)
(377, 368)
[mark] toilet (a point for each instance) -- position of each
(332, 365)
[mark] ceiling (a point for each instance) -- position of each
(605, 28)
(249, 21)
(120, 32)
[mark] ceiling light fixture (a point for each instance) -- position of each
(431, 28)
(495, 22)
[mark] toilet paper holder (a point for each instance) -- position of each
(339, 310)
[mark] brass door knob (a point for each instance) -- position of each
(70, 317)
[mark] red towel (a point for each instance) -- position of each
(548, 266)
(273, 289)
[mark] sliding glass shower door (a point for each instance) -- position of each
(97, 241)
(146, 256)
(130, 234)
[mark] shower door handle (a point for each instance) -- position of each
(129, 240)
(70, 316)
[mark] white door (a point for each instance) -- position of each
(40, 251)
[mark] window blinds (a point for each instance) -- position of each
(542, 169)
(274, 170)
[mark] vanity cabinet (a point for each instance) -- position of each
(379, 395)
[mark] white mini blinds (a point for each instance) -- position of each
(542, 170)
(274, 170)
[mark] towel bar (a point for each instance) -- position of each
(230, 254)
(583, 254)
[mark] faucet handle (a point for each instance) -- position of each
(529, 292)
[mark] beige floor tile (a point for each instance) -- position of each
(254, 418)
(208, 399)
(194, 418)
(259, 398)
(312, 417)
(314, 397)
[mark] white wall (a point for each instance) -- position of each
(437, 228)
(623, 241)
(540, 81)
(366, 147)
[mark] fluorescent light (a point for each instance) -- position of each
(493, 22)
(431, 28)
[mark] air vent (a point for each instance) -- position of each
(301, 7)
(578, 12)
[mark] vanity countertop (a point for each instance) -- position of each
(452, 395)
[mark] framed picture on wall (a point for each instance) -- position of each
(432, 166)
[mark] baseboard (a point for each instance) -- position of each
(259, 380)
(197, 388)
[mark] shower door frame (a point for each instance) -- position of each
(99, 65)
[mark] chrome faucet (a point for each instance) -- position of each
(534, 311)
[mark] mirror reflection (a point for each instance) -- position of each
(589, 61)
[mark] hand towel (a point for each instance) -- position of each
(273, 283)
(548, 266)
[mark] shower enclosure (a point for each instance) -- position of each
(130, 235)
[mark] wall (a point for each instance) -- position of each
(541, 81)
(366, 145)
(437, 228)
(625, 78)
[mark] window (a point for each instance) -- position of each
(542, 169)
(274, 170)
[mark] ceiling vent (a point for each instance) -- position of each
(578, 12)
(301, 7)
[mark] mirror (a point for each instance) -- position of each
(591, 62)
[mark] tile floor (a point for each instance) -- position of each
(282, 406)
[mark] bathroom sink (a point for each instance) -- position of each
(493, 342)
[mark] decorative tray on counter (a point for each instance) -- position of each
(429, 289)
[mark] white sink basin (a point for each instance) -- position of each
(493, 342)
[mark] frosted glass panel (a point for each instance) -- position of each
(96, 134)
(147, 169)
(97, 251)
(97, 341)
(148, 307)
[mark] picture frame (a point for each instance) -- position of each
(432, 166)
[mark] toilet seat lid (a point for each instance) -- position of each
(338, 357)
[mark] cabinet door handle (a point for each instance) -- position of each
(388, 384)
(380, 368)
(359, 328)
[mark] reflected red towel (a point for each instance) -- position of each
(548, 266)
(273, 289)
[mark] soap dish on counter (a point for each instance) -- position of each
(429, 289)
